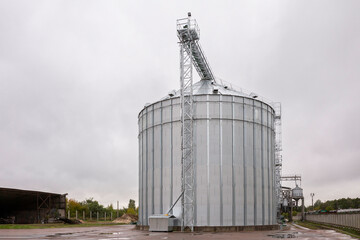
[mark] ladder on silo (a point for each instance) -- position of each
(190, 54)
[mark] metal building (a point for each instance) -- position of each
(26, 206)
(234, 154)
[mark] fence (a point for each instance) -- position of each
(344, 220)
(93, 216)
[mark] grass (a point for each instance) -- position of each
(56, 225)
(311, 225)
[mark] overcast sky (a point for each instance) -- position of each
(75, 74)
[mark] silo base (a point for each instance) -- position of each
(221, 228)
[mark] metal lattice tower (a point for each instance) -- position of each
(186, 95)
(278, 156)
(190, 54)
(187, 172)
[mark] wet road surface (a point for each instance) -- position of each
(124, 232)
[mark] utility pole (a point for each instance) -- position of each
(312, 200)
(117, 213)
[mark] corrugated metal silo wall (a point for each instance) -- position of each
(234, 160)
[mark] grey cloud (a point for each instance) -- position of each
(74, 75)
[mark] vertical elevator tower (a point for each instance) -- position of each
(209, 145)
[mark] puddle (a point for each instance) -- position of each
(59, 235)
(284, 235)
(110, 233)
(114, 238)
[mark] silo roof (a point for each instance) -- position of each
(208, 87)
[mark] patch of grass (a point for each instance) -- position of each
(56, 225)
(309, 225)
(345, 230)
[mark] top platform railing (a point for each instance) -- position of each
(188, 33)
(187, 29)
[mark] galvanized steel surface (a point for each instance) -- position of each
(297, 192)
(233, 154)
(161, 223)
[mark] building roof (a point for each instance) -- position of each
(13, 191)
(11, 195)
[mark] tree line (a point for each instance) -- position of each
(93, 206)
(342, 203)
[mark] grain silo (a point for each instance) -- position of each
(233, 154)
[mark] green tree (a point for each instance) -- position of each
(93, 206)
(328, 208)
(356, 203)
(74, 206)
(131, 211)
(342, 203)
(132, 204)
(317, 204)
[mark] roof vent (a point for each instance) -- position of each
(253, 95)
(226, 87)
(215, 90)
(172, 93)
